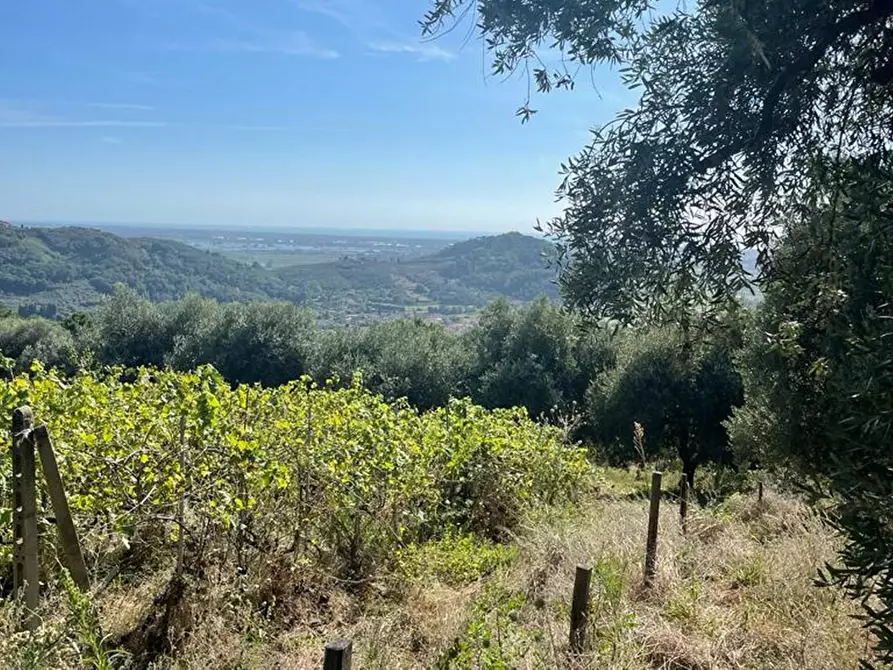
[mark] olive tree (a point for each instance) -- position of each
(750, 120)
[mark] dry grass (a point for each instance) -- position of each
(735, 593)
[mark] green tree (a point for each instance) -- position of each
(36, 338)
(819, 375)
(527, 356)
(402, 358)
(271, 343)
(680, 397)
(192, 335)
(129, 330)
(731, 109)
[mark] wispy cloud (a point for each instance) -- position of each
(20, 116)
(87, 123)
(352, 15)
(296, 43)
(255, 128)
(121, 106)
(421, 50)
(365, 20)
(250, 37)
(56, 103)
(16, 117)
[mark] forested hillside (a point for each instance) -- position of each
(73, 268)
(61, 270)
(465, 274)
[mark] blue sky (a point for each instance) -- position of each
(273, 113)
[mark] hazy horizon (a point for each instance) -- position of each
(420, 233)
(322, 113)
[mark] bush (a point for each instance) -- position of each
(35, 338)
(336, 479)
(679, 391)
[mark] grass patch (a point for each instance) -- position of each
(456, 560)
(735, 593)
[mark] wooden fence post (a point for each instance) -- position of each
(338, 655)
(72, 556)
(653, 514)
(26, 570)
(760, 492)
(683, 505)
(580, 609)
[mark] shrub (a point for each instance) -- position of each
(35, 338)
(679, 390)
(332, 478)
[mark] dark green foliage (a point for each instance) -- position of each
(512, 265)
(522, 357)
(53, 272)
(536, 356)
(818, 371)
(72, 268)
(408, 358)
(539, 357)
(680, 392)
(253, 342)
(35, 338)
(260, 342)
(129, 331)
(736, 100)
(78, 323)
(465, 274)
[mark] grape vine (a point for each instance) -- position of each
(333, 480)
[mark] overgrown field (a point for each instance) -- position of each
(244, 528)
(278, 497)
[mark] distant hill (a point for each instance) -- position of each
(72, 268)
(466, 274)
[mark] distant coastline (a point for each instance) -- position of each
(143, 229)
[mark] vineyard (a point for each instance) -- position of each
(283, 494)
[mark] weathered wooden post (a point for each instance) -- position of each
(653, 514)
(72, 556)
(338, 655)
(24, 514)
(580, 609)
(760, 492)
(683, 505)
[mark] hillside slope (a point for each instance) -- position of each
(59, 270)
(73, 268)
(465, 274)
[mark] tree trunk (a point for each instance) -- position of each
(689, 458)
(688, 470)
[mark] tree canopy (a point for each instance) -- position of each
(761, 126)
(744, 106)
(680, 398)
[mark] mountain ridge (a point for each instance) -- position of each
(70, 268)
